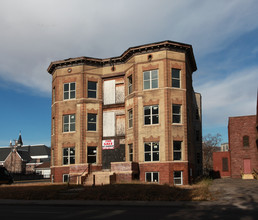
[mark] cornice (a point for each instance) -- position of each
(130, 52)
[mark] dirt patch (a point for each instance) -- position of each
(140, 192)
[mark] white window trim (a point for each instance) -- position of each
(68, 177)
(69, 91)
(150, 71)
(92, 122)
(130, 85)
(130, 118)
(176, 114)
(130, 146)
(151, 152)
(180, 86)
(176, 151)
(151, 177)
(92, 90)
(177, 178)
(69, 156)
(151, 115)
(69, 123)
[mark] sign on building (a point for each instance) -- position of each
(108, 144)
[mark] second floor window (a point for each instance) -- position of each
(69, 123)
(151, 151)
(92, 154)
(177, 150)
(176, 109)
(130, 118)
(246, 141)
(69, 90)
(151, 114)
(150, 79)
(92, 122)
(92, 89)
(69, 155)
(176, 78)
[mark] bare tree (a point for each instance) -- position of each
(210, 144)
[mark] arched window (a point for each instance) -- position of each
(246, 141)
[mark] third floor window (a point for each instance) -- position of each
(176, 78)
(150, 79)
(69, 90)
(130, 84)
(92, 89)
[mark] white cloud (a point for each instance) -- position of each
(34, 33)
(235, 95)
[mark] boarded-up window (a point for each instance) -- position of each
(246, 141)
(120, 125)
(120, 93)
(108, 124)
(224, 164)
(109, 90)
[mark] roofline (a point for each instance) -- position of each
(131, 51)
(35, 145)
(242, 116)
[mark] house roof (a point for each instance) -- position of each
(130, 52)
(24, 155)
(26, 152)
(4, 152)
(37, 150)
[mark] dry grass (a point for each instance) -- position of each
(141, 192)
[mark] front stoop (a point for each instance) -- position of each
(100, 178)
(247, 176)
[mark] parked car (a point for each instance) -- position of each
(5, 176)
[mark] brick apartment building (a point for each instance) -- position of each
(135, 116)
(241, 161)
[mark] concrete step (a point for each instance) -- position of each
(247, 176)
(100, 178)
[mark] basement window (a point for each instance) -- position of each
(152, 177)
(178, 177)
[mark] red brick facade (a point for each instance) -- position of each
(221, 164)
(242, 145)
(165, 170)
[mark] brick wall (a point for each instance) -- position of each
(166, 171)
(237, 128)
(218, 163)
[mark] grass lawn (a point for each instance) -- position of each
(140, 192)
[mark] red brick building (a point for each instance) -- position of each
(243, 146)
(135, 116)
(221, 164)
(241, 161)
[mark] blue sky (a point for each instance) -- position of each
(224, 36)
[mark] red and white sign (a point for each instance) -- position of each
(108, 144)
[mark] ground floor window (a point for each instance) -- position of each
(178, 177)
(224, 164)
(92, 154)
(130, 146)
(65, 178)
(152, 177)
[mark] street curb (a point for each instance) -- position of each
(102, 203)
